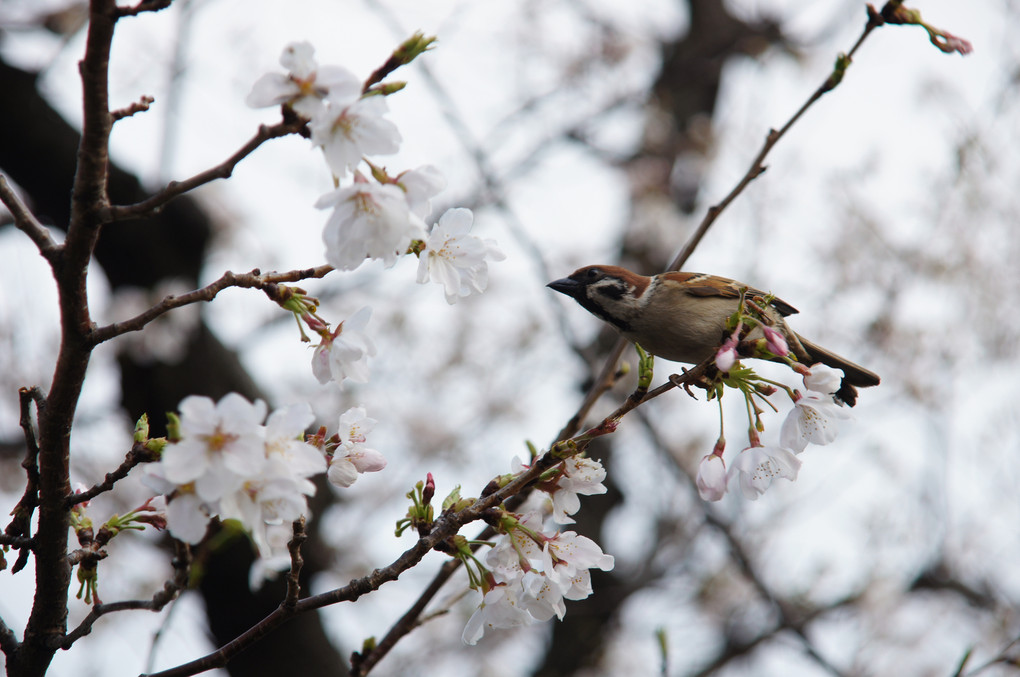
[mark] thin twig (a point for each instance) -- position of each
(169, 592)
(253, 280)
(8, 640)
(21, 525)
(296, 562)
(140, 106)
(26, 221)
(138, 454)
(220, 171)
(16, 542)
(771, 139)
(144, 6)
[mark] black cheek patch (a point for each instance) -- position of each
(614, 292)
(598, 311)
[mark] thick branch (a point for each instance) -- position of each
(220, 171)
(48, 619)
(253, 280)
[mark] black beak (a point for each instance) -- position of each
(571, 288)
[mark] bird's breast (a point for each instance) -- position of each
(683, 330)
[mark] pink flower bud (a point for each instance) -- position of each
(429, 491)
(776, 342)
(726, 357)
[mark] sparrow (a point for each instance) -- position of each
(682, 317)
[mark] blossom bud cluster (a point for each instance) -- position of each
(228, 461)
(813, 420)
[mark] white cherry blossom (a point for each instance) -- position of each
(823, 379)
(285, 445)
(567, 554)
(531, 581)
(344, 353)
(420, 186)
(228, 464)
(187, 517)
(500, 608)
(349, 131)
(756, 467)
(711, 478)
(455, 259)
(581, 476)
(368, 221)
(220, 444)
(814, 419)
(353, 457)
(306, 85)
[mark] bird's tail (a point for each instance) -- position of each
(853, 374)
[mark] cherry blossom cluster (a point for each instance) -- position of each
(373, 215)
(528, 575)
(560, 487)
(813, 420)
(226, 460)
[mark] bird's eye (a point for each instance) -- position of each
(593, 274)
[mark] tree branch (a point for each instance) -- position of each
(253, 280)
(26, 222)
(138, 454)
(220, 171)
(757, 167)
(361, 664)
(140, 106)
(48, 618)
(143, 6)
(171, 588)
(296, 562)
(21, 525)
(8, 640)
